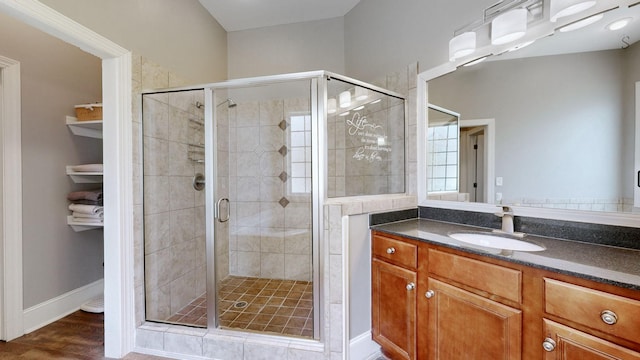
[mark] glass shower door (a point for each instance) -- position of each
(263, 254)
(174, 207)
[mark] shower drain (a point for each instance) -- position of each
(240, 304)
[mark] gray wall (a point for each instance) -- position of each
(54, 77)
(376, 37)
(359, 275)
(559, 121)
(313, 45)
(180, 35)
(382, 36)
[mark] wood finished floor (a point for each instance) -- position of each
(79, 336)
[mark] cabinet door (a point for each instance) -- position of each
(463, 325)
(565, 343)
(394, 309)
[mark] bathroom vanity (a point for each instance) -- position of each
(434, 297)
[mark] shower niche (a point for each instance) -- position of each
(243, 252)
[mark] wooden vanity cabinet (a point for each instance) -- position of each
(465, 320)
(432, 302)
(463, 325)
(394, 296)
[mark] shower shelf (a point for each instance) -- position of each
(197, 122)
(78, 226)
(84, 177)
(85, 128)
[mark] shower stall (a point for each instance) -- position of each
(235, 175)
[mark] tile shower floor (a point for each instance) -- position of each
(266, 305)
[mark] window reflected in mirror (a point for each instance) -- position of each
(442, 152)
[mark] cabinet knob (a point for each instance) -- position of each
(429, 294)
(549, 344)
(411, 286)
(391, 250)
(609, 317)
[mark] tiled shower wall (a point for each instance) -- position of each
(270, 233)
(174, 246)
(404, 82)
(189, 257)
(145, 75)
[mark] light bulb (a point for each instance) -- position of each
(462, 45)
(331, 106)
(509, 26)
(345, 99)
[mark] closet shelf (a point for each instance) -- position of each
(81, 226)
(85, 128)
(84, 177)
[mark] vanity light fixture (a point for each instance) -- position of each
(520, 46)
(345, 99)
(581, 23)
(563, 8)
(462, 45)
(476, 61)
(359, 108)
(331, 106)
(619, 24)
(361, 93)
(509, 26)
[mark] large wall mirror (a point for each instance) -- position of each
(564, 111)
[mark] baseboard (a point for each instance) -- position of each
(51, 310)
(362, 347)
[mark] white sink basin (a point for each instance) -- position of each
(496, 242)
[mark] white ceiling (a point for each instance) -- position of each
(236, 15)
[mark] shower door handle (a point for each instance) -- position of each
(220, 218)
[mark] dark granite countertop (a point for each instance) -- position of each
(602, 263)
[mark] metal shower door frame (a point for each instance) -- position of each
(318, 166)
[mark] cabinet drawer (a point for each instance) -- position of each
(395, 251)
(590, 308)
(494, 279)
(574, 344)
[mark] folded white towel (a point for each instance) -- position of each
(88, 216)
(86, 209)
(88, 168)
(87, 220)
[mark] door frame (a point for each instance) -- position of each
(119, 323)
(490, 154)
(11, 292)
(469, 167)
(636, 173)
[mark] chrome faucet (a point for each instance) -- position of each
(506, 214)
